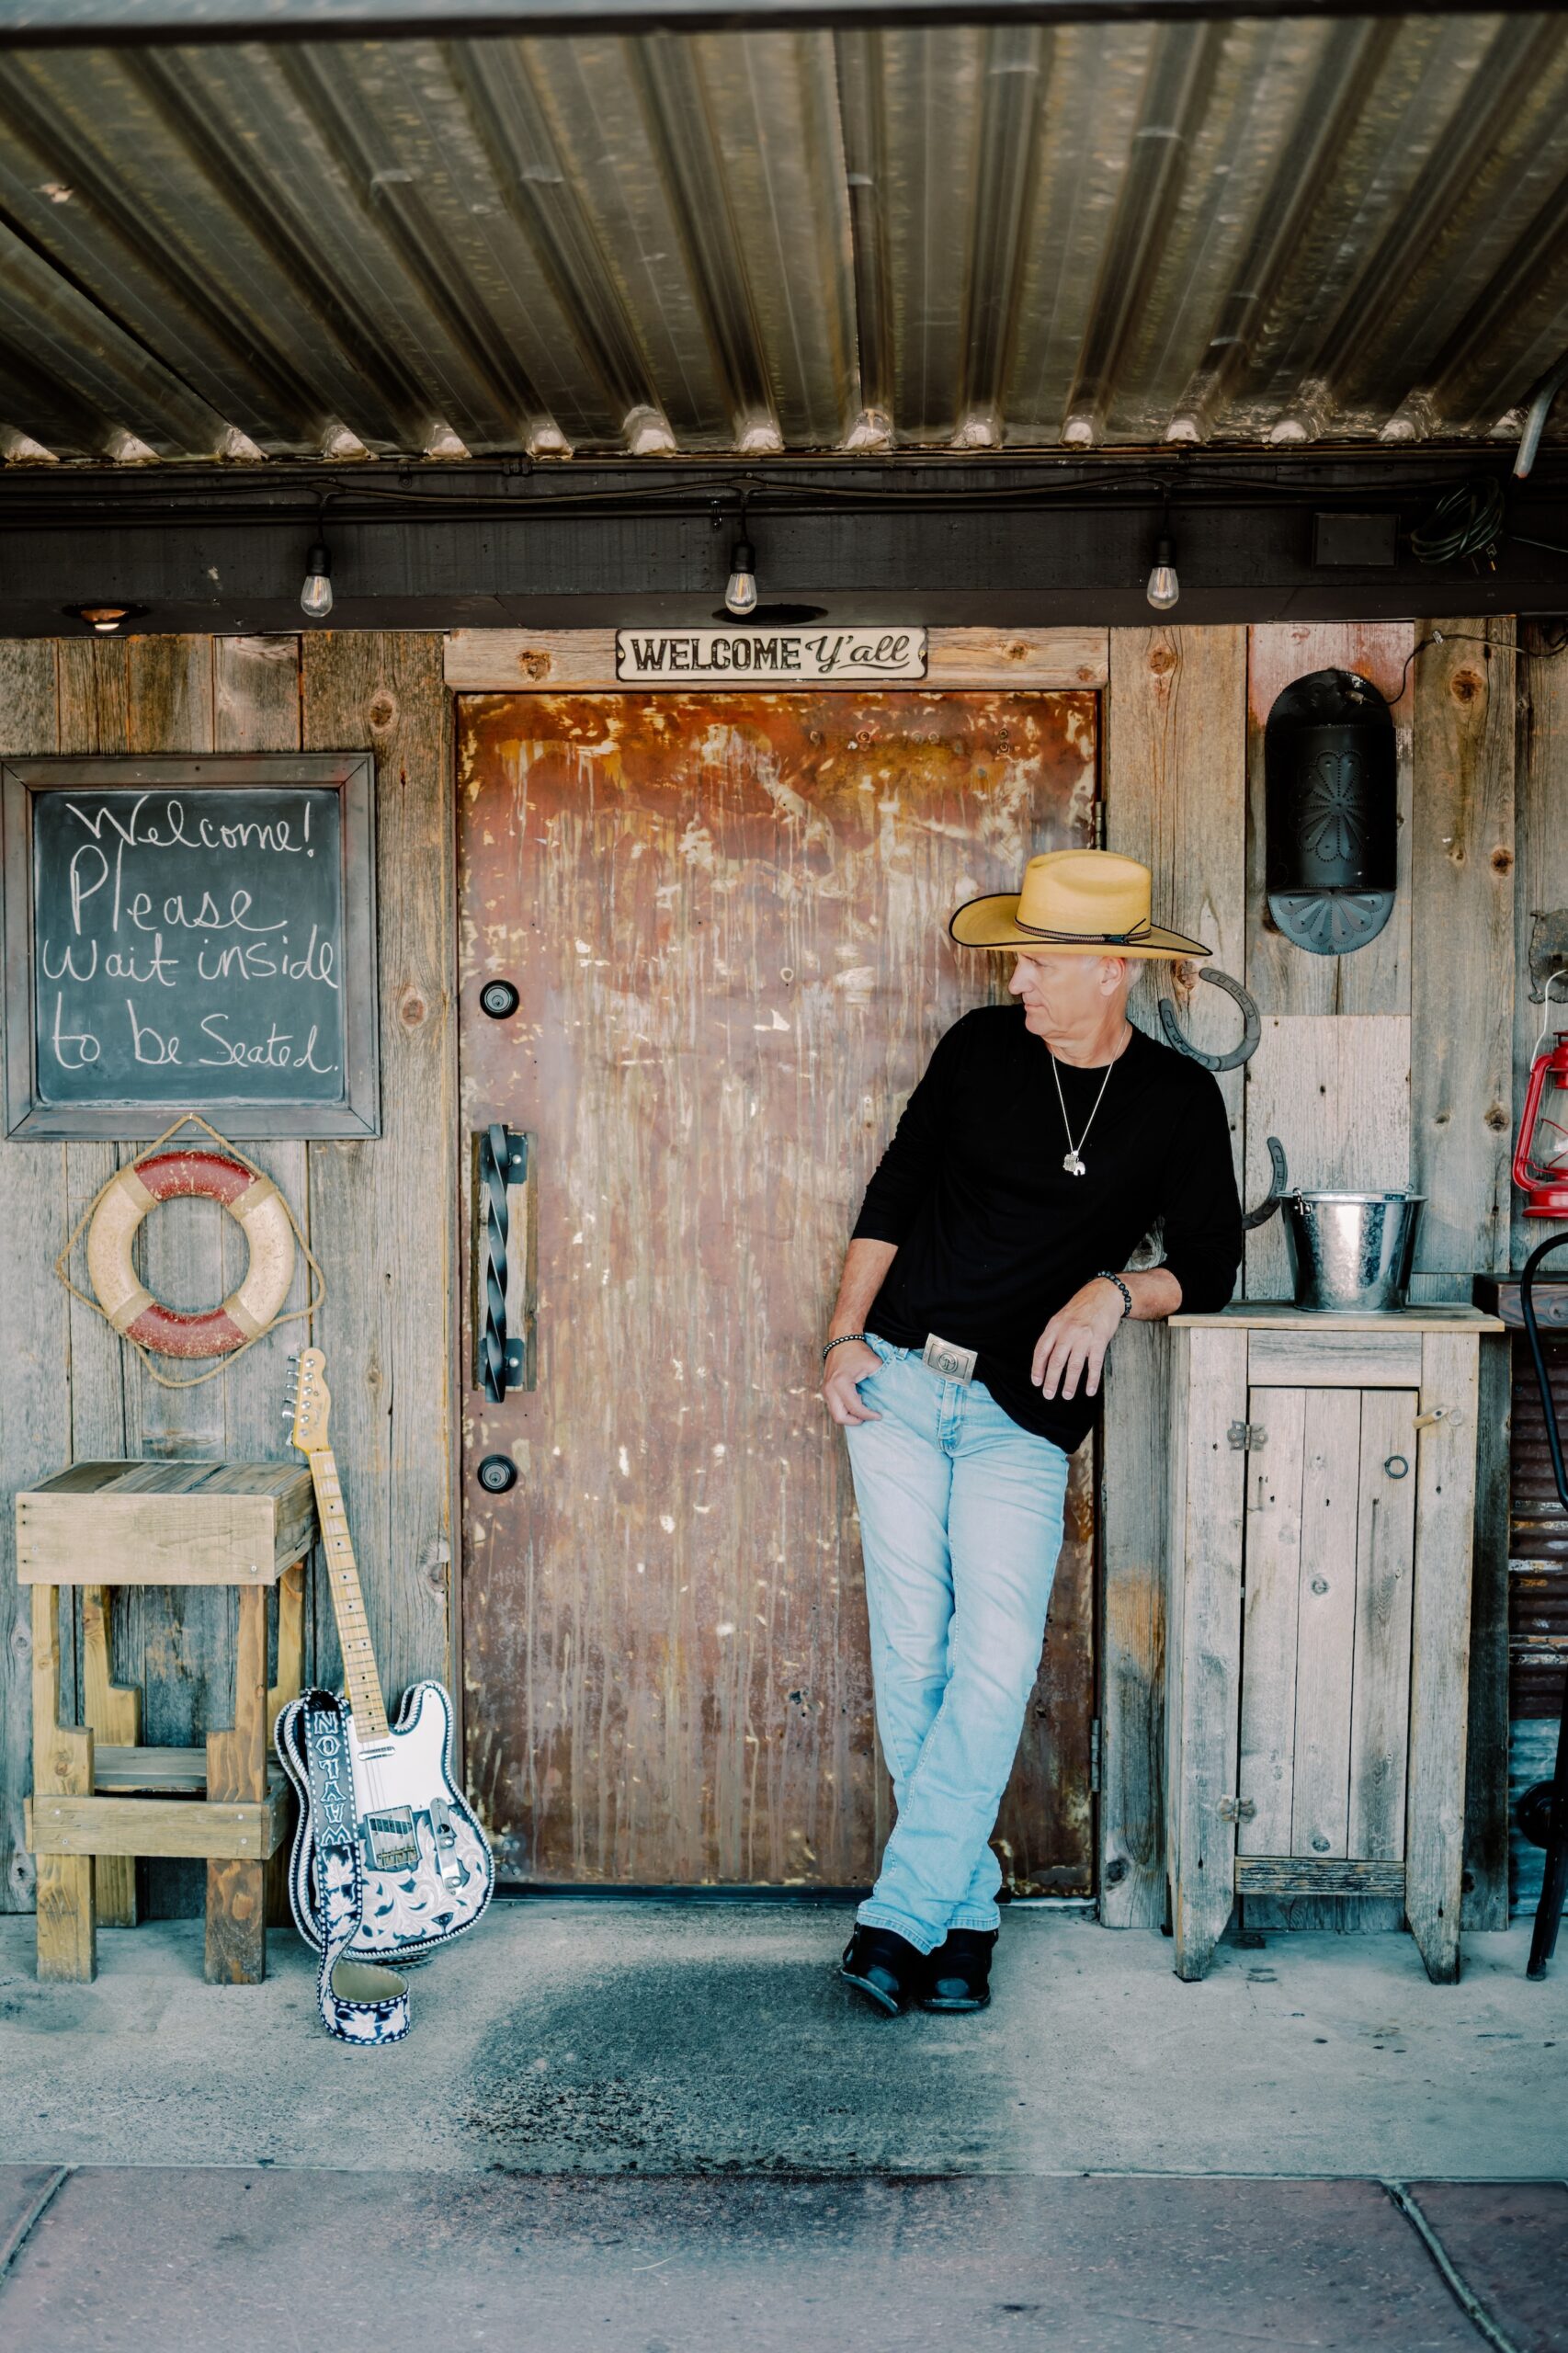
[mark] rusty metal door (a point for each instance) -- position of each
(723, 917)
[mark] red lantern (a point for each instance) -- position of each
(1540, 1157)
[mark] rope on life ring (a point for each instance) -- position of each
(250, 1197)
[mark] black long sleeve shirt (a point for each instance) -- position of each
(994, 1235)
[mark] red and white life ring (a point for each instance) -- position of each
(172, 1331)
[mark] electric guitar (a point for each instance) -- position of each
(427, 1868)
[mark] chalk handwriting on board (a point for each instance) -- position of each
(189, 943)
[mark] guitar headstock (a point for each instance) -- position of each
(309, 1400)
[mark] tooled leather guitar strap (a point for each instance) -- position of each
(359, 2002)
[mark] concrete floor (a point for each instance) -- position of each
(606, 2037)
(236, 2260)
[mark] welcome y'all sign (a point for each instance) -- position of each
(764, 657)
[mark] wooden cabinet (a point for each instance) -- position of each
(1323, 1497)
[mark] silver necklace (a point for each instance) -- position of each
(1072, 1160)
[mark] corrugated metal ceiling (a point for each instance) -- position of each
(991, 238)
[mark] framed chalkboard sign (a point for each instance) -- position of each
(190, 934)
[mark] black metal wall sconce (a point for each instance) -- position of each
(1331, 770)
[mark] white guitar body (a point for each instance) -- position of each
(427, 1866)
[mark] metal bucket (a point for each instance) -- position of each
(1351, 1251)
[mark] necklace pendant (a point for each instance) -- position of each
(1073, 1166)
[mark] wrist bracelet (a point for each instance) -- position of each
(1106, 1277)
(840, 1342)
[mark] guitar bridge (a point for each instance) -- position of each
(394, 1843)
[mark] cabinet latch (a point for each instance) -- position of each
(1247, 1435)
(1237, 1809)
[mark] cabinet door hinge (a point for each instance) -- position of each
(1245, 1436)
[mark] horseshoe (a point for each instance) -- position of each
(1277, 1184)
(1251, 1033)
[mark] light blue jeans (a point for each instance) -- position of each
(961, 1526)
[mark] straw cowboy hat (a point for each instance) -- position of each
(1074, 902)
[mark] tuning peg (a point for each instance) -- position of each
(293, 1355)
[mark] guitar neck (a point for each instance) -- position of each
(360, 1680)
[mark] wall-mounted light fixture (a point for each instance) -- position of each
(1330, 794)
(106, 620)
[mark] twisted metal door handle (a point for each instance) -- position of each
(504, 1261)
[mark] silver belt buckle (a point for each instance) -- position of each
(951, 1361)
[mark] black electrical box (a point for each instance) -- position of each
(1359, 540)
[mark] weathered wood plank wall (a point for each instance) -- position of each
(388, 1324)
(1482, 745)
(34, 1343)
(1401, 1063)
(1174, 781)
(1462, 865)
(383, 1214)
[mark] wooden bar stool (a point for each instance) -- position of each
(100, 1798)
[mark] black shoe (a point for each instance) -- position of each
(958, 1975)
(885, 1966)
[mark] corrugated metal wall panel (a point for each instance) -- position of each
(1011, 235)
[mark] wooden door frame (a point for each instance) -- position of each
(582, 661)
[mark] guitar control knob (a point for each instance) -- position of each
(497, 1474)
(499, 999)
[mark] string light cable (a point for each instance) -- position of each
(1551, 640)
(1467, 523)
(1462, 522)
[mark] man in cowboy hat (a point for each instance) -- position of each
(986, 1278)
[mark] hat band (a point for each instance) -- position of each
(1097, 938)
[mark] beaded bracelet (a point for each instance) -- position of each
(1105, 1276)
(840, 1342)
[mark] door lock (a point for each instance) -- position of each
(499, 999)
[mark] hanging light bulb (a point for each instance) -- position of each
(1164, 587)
(740, 596)
(315, 597)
